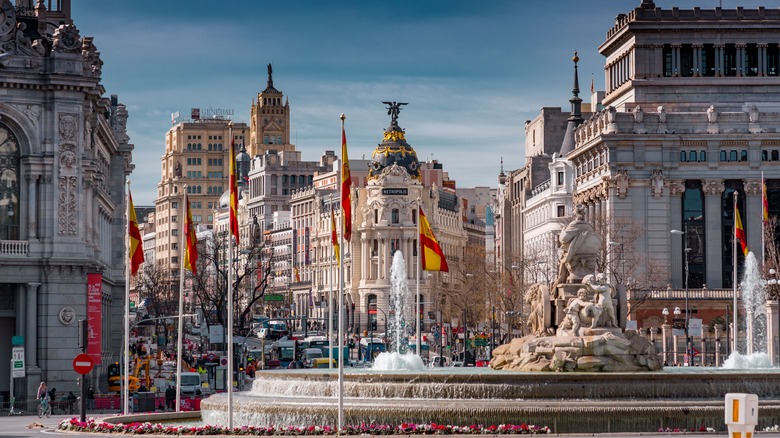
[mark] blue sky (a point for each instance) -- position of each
(472, 71)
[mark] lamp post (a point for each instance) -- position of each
(685, 357)
(664, 332)
(771, 312)
(686, 251)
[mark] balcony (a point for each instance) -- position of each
(14, 247)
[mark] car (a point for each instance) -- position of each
(322, 362)
(457, 363)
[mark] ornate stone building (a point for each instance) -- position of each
(64, 157)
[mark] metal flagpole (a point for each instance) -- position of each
(330, 295)
(419, 258)
(125, 379)
(229, 327)
(179, 345)
(735, 326)
(342, 250)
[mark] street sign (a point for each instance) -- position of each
(17, 340)
(17, 362)
(223, 360)
(82, 363)
(132, 304)
(273, 297)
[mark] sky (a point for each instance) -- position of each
(472, 71)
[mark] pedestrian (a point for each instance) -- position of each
(170, 397)
(90, 398)
(53, 394)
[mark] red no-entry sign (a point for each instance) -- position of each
(82, 363)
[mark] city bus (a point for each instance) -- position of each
(370, 348)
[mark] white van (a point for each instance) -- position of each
(190, 384)
(308, 356)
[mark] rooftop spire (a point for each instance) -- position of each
(575, 118)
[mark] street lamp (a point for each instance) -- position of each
(686, 251)
(665, 313)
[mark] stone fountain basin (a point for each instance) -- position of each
(567, 402)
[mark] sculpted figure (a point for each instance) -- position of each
(604, 294)
(536, 317)
(581, 311)
(712, 115)
(580, 245)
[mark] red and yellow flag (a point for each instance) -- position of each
(135, 246)
(346, 187)
(233, 191)
(432, 256)
(334, 238)
(739, 231)
(191, 251)
(764, 200)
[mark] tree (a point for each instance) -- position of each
(251, 270)
(161, 286)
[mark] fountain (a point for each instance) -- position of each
(754, 300)
(570, 334)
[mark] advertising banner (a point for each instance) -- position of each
(94, 305)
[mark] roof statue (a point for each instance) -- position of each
(393, 109)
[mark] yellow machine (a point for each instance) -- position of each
(115, 376)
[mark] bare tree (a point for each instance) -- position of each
(161, 286)
(251, 270)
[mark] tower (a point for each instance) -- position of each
(269, 121)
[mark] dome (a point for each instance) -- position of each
(394, 150)
(224, 200)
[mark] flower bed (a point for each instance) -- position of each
(373, 429)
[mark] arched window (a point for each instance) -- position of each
(702, 155)
(683, 156)
(9, 185)
(693, 221)
(723, 156)
(692, 156)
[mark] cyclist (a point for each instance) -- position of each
(43, 396)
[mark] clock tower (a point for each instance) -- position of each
(270, 121)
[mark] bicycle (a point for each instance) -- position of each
(44, 408)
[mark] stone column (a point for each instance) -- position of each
(753, 223)
(676, 191)
(666, 329)
(697, 60)
(32, 207)
(772, 331)
(713, 191)
(719, 61)
(717, 346)
(762, 59)
(31, 332)
(741, 55)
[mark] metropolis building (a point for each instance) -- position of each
(64, 157)
(689, 117)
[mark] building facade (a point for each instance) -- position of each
(65, 158)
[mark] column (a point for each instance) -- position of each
(665, 330)
(697, 67)
(676, 191)
(717, 346)
(741, 55)
(719, 61)
(772, 331)
(676, 59)
(32, 207)
(753, 223)
(713, 191)
(762, 58)
(658, 61)
(31, 331)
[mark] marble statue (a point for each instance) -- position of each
(580, 246)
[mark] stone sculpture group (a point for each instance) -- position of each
(578, 323)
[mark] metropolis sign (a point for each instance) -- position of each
(395, 191)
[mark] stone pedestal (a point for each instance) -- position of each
(772, 331)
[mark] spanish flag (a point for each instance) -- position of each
(334, 238)
(191, 251)
(764, 200)
(739, 231)
(432, 256)
(346, 186)
(135, 246)
(233, 191)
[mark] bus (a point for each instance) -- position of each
(370, 348)
(286, 351)
(320, 342)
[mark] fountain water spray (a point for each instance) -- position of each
(401, 299)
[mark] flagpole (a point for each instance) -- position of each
(342, 250)
(182, 235)
(125, 379)
(763, 220)
(330, 294)
(229, 327)
(734, 276)
(419, 334)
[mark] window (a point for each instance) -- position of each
(743, 156)
(686, 60)
(751, 60)
(692, 156)
(395, 245)
(730, 60)
(175, 232)
(560, 178)
(733, 155)
(775, 155)
(667, 57)
(376, 216)
(708, 60)
(10, 167)
(561, 211)
(702, 155)
(175, 204)
(396, 217)
(723, 156)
